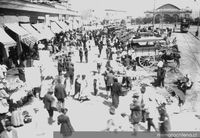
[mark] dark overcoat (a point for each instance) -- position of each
(60, 92)
(66, 128)
(116, 90)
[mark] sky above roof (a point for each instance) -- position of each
(134, 8)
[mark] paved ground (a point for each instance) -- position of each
(93, 115)
(193, 30)
(190, 59)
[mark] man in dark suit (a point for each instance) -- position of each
(116, 90)
(81, 54)
(60, 93)
(48, 100)
(86, 55)
(109, 82)
(60, 67)
(100, 47)
(161, 76)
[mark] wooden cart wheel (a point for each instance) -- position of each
(146, 61)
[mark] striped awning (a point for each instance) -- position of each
(55, 28)
(33, 32)
(6, 39)
(25, 37)
(64, 26)
(44, 30)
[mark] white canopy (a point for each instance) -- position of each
(6, 39)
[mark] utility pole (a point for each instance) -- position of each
(154, 14)
(198, 24)
(197, 32)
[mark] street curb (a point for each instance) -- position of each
(194, 35)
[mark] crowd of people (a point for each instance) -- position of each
(120, 72)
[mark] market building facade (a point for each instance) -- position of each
(24, 23)
(169, 11)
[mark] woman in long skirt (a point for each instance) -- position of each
(77, 86)
(66, 128)
(84, 94)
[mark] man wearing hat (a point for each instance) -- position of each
(161, 76)
(9, 132)
(116, 91)
(136, 112)
(100, 47)
(86, 54)
(81, 54)
(109, 82)
(60, 93)
(48, 100)
(60, 67)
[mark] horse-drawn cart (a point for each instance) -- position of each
(146, 50)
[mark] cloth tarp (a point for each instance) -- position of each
(55, 28)
(25, 36)
(44, 30)
(32, 31)
(6, 39)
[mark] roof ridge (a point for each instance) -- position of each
(168, 4)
